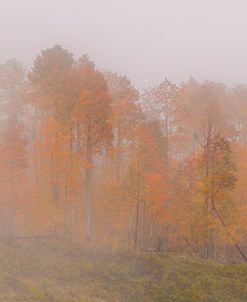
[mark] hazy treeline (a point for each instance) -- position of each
(86, 157)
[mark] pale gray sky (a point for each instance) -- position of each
(145, 39)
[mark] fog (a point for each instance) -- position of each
(123, 171)
(146, 40)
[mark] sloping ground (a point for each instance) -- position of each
(50, 271)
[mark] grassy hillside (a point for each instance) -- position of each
(48, 271)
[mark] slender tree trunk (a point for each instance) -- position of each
(13, 208)
(119, 166)
(88, 187)
(137, 223)
(206, 199)
(167, 138)
(188, 243)
(138, 203)
(68, 201)
(35, 151)
(130, 222)
(143, 223)
(238, 248)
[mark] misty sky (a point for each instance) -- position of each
(147, 40)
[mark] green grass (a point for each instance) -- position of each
(51, 271)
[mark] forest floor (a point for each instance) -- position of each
(52, 271)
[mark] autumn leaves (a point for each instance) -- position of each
(85, 157)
